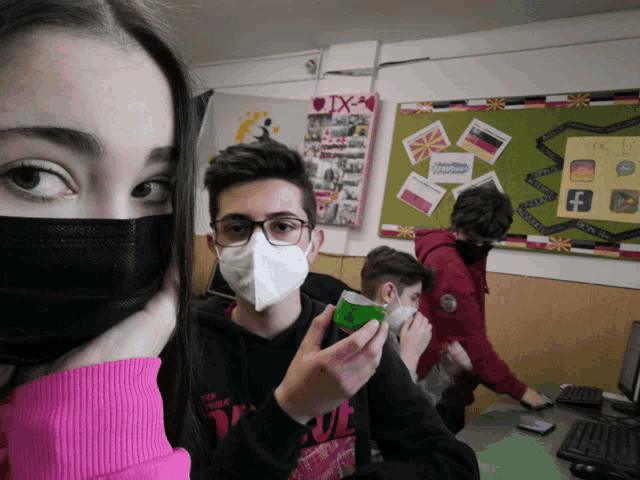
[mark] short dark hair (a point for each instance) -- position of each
(482, 212)
(384, 264)
(258, 161)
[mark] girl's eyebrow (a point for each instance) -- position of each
(82, 143)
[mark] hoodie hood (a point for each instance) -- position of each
(236, 351)
(219, 324)
(429, 239)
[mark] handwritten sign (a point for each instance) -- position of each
(451, 167)
(600, 179)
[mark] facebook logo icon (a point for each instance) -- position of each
(579, 200)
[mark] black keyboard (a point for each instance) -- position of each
(581, 396)
(599, 443)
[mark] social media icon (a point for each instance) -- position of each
(582, 171)
(624, 201)
(579, 200)
(626, 167)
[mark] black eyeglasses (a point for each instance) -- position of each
(278, 231)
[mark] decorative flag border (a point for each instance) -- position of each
(552, 244)
(572, 100)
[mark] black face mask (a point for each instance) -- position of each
(472, 253)
(65, 281)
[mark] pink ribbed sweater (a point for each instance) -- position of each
(99, 422)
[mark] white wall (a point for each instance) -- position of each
(598, 52)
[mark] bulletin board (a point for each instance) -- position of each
(547, 153)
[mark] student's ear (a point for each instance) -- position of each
(316, 244)
(386, 292)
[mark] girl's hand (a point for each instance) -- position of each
(142, 335)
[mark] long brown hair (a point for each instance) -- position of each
(134, 24)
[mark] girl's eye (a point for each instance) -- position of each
(38, 182)
(155, 191)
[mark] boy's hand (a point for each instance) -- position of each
(318, 381)
(534, 400)
(414, 339)
(454, 359)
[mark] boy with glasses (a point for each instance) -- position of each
(288, 393)
(480, 218)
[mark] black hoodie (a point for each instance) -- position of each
(254, 438)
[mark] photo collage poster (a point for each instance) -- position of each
(337, 152)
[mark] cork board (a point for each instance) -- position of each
(517, 145)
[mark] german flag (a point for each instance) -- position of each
(481, 144)
(535, 102)
(626, 98)
(607, 249)
(519, 241)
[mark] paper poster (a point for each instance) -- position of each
(424, 143)
(601, 179)
(421, 194)
(233, 119)
(451, 167)
(484, 141)
(488, 180)
(337, 150)
(230, 119)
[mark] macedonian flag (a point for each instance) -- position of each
(423, 147)
(560, 244)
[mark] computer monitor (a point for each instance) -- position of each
(629, 381)
(218, 285)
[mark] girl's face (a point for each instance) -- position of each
(86, 131)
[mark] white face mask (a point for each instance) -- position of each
(396, 317)
(263, 274)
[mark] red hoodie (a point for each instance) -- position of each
(455, 307)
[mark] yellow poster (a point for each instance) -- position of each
(601, 179)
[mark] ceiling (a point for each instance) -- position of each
(215, 30)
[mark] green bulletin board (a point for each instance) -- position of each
(529, 168)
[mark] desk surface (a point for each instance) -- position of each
(506, 452)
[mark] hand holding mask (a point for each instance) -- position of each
(414, 339)
(318, 381)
